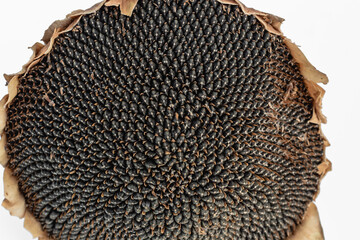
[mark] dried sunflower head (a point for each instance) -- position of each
(165, 120)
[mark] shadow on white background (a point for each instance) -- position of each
(329, 34)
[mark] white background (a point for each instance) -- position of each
(329, 34)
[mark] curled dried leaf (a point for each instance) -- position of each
(310, 228)
(14, 201)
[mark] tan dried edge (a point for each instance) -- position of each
(14, 200)
(4, 158)
(3, 116)
(310, 228)
(127, 6)
(272, 23)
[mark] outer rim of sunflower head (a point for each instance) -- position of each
(14, 202)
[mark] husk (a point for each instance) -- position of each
(310, 228)
(3, 116)
(306, 68)
(127, 6)
(34, 227)
(3, 154)
(15, 202)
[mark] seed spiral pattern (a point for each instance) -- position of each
(187, 120)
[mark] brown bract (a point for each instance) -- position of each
(310, 228)
(126, 6)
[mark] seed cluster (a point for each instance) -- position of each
(187, 120)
